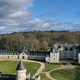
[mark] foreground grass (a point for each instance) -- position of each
(65, 74)
(49, 67)
(9, 67)
(44, 77)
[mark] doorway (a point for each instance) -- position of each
(22, 57)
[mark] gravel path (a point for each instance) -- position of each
(62, 67)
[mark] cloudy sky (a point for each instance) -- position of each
(44, 15)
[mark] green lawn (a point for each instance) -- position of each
(65, 74)
(44, 77)
(49, 67)
(77, 67)
(9, 67)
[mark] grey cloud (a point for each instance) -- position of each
(8, 7)
(50, 13)
(13, 12)
(53, 12)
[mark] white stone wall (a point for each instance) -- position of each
(54, 57)
(9, 56)
(79, 58)
(21, 74)
(47, 59)
(23, 55)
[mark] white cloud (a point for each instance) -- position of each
(15, 17)
(2, 27)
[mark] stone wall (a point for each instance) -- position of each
(9, 56)
(79, 58)
(54, 57)
(7, 76)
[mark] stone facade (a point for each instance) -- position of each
(64, 51)
(57, 53)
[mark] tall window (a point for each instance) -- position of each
(53, 59)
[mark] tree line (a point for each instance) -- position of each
(37, 40)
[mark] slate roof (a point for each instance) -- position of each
(56, 50)
(5, 52)
(20, 66)
(38, 53)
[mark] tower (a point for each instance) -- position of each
(21, 71)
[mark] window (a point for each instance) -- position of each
(53, 59)
(19, 77)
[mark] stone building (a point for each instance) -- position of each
(58, 52)
(64, 51)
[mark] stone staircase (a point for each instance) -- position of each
(68, 66)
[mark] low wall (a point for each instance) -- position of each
(7, 76)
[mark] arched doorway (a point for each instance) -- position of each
(22, 57)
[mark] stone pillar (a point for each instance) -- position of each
(79, 58)
(29, 76)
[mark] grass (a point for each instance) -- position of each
(65, 74)
(9, 67)
(77, 67)
(49, 67)
(44, 77)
